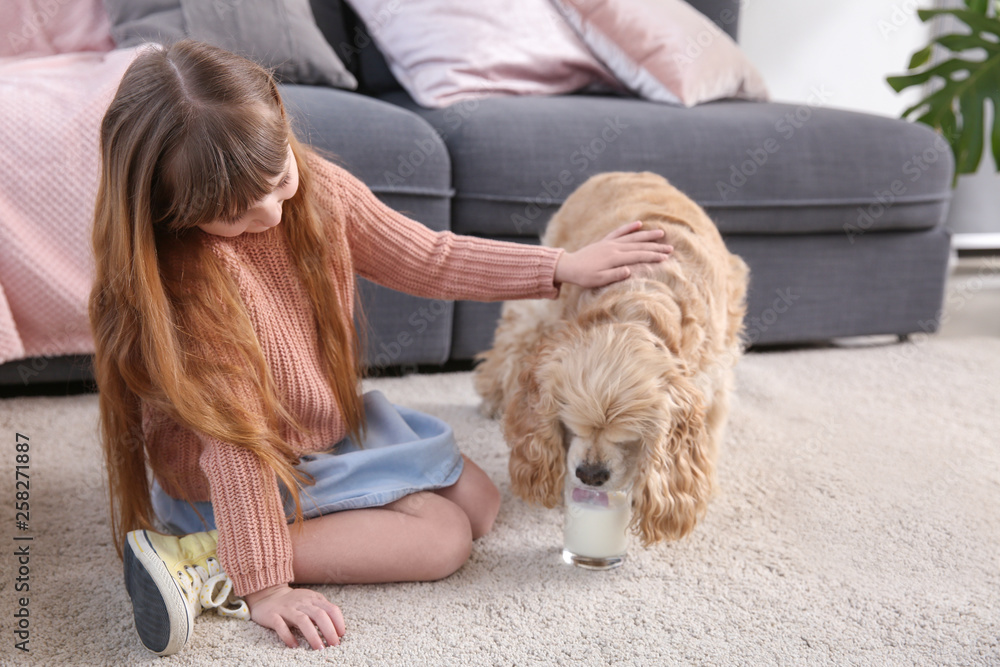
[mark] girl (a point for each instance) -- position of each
(228, 364)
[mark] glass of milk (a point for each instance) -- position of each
(595, 528)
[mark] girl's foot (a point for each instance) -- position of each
(171, 580)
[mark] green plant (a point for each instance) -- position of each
(962, 86)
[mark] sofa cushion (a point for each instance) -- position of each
(280, 35)
(409, 158)
(757, 168)
(807, 288)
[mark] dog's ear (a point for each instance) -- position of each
(534, 431)
(677, 477)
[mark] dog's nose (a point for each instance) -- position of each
(592, 474)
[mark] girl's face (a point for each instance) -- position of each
(266, 213)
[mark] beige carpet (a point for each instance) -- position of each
(858, 524)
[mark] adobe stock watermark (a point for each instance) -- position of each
(902, 13)
(758, 325)
(581, 159)
(913, 169)
(32, 23)
(785, 128)
(451, 120)
(21, 575)
(455, 115)
(407, 164)
(419, 320)
(755, 326)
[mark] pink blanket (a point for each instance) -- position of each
(50, 113)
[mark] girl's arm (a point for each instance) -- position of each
(255, 549)
(395, 251)
(392, 250)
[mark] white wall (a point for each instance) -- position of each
(839, 51)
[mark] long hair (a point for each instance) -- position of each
(195, 134)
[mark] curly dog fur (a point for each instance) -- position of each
(626, 385)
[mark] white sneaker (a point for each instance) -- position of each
(171, 580)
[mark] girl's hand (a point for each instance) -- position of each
(282, 607)
(607, 261)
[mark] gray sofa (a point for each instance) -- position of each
(839, 214)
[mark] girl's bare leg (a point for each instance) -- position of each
(421, 537)
(477, 495)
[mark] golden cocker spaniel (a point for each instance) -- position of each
(625, 386)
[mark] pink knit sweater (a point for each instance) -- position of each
(387, 248)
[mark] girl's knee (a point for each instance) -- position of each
(454, 540)
(448, 532)
(485, 513)
(478, 497)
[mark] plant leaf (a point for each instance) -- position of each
(921, 57)
(957, 42)
(943, 70)
(944, 120)
(939, 99)
(949, 125)
(969, 148)
(978, 22)
(995, 97)
(962, 87)
(978, 6)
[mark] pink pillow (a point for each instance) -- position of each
(30, 28)
(446, 51)
(665, 50)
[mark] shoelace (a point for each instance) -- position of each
(213, 589)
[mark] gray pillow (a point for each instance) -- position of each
(279, 34)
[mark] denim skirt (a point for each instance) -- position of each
(404, 451)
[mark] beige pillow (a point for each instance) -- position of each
(664, 50)
(447, 51)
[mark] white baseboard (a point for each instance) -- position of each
(975, 241)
